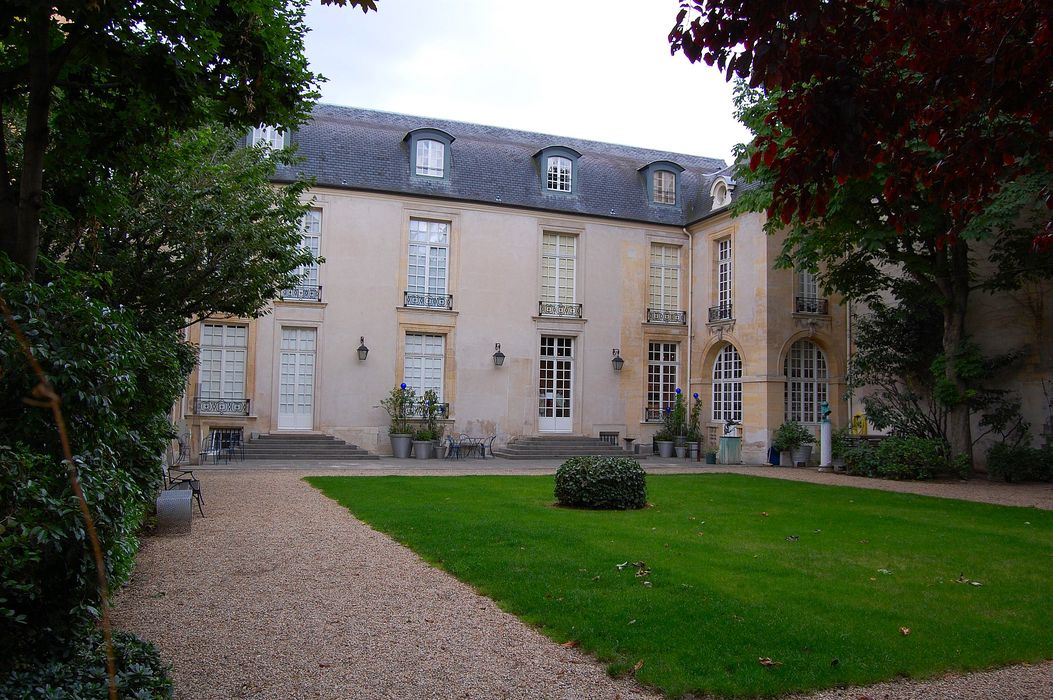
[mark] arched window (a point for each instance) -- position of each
(430, 158)
(806, 377)
(727, 385)
(560, 176)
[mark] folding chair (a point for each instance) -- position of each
(176, 478)
(453, 448)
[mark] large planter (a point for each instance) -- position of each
(681, 451)
(422, 449)
(665, 448)
(692, 450)
(802, 454)
(711, 458)
(785, 458)
(401, 444)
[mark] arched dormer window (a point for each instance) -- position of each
(663, 182)
(272, 138)
(721, 192)
(559, 169)
(430, 153)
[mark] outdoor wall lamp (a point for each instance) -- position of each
(617, 360)
(499, 357)
(362, 349)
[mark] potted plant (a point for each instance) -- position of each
(664, 439)
(794, 443)
(677, 418)
(397, 405)
(422, 444)
(694, 429)
(430, 410)
(840, 442)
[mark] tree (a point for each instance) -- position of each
(201, 231)
(908, 158)
(84, 83)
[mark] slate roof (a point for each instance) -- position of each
(346, 147)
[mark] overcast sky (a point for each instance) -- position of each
(581, 68)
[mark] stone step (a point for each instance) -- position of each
(309, 447)
(297, 456)
(560, 455)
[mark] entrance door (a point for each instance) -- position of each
(296, 393)
(555, 385)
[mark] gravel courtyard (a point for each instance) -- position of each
(281, 593)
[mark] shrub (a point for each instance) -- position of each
(116, 383)
(1019, 463)
(790, 436)
(608, 483)
(79, 672)
(898, 458)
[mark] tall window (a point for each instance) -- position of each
(724, 275)
(425, 357)
(663, 367)
(431, 158)
(664, 187)
(807, 285)
(806, 378)
(429, 246)
(558, 266)
(270, 137)
(311, 232)
(559, 174)
(665, 277)
(727, 385)
(221, 372)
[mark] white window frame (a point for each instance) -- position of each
(310, 239)
(559, 252)
(428, 262)
(269, 137)
(560, 170)
(664, 278)
(725, 269)
(664, 187)
(807, 377)
(807, 284)
(663, 375)
(424, 363)
(225, 345)
(431, 158)
(727, 385)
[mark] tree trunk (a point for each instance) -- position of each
(954, 283)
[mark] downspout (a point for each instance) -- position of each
(690, 302)
(848, 358)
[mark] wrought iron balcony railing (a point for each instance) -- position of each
(652, 414)
(560, 309)
(424, 300)
(221, 407)
(676, 318)
(303, 292)
(419, 411)
(720, 313)
(811, 305)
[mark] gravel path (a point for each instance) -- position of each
(281, 593)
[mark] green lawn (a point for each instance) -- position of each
(818, 579)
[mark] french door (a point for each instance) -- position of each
(556, 385)
(296, 389)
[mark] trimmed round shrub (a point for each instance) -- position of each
(899, 458)
(606, 483)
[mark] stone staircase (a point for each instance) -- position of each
(303, 447)
(549, 446)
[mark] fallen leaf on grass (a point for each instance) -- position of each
(767, 662)
(621, 566)
(904, 631)
(884, 571)
(570, 645)
(792, 538)
(638, 665)
(764, 513)
(596, 578)
(647, 584)
(963, 579)
(632, 622)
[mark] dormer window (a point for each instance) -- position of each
(430, 153)
(269, 137)
(430, 157)
(560, 174)
(663, 182)
(721, 192)
(558, 166)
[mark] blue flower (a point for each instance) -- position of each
(668, 409)
(402, 386)
(696, 396)
(678, 390)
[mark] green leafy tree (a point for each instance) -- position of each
(84, 84)
(199, 231)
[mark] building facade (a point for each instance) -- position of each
(446, 243)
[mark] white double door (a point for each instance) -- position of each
(296, 382)
(556, 385)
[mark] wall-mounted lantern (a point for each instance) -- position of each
(499, 357)
(617, 360)
(362, 349)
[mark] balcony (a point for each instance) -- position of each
(673, 318)
(720, 313)
(221, 407)
(419, 411)
(811, 305)
(652, 414)
(558, 309)
(424, 300)
(304, 292)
